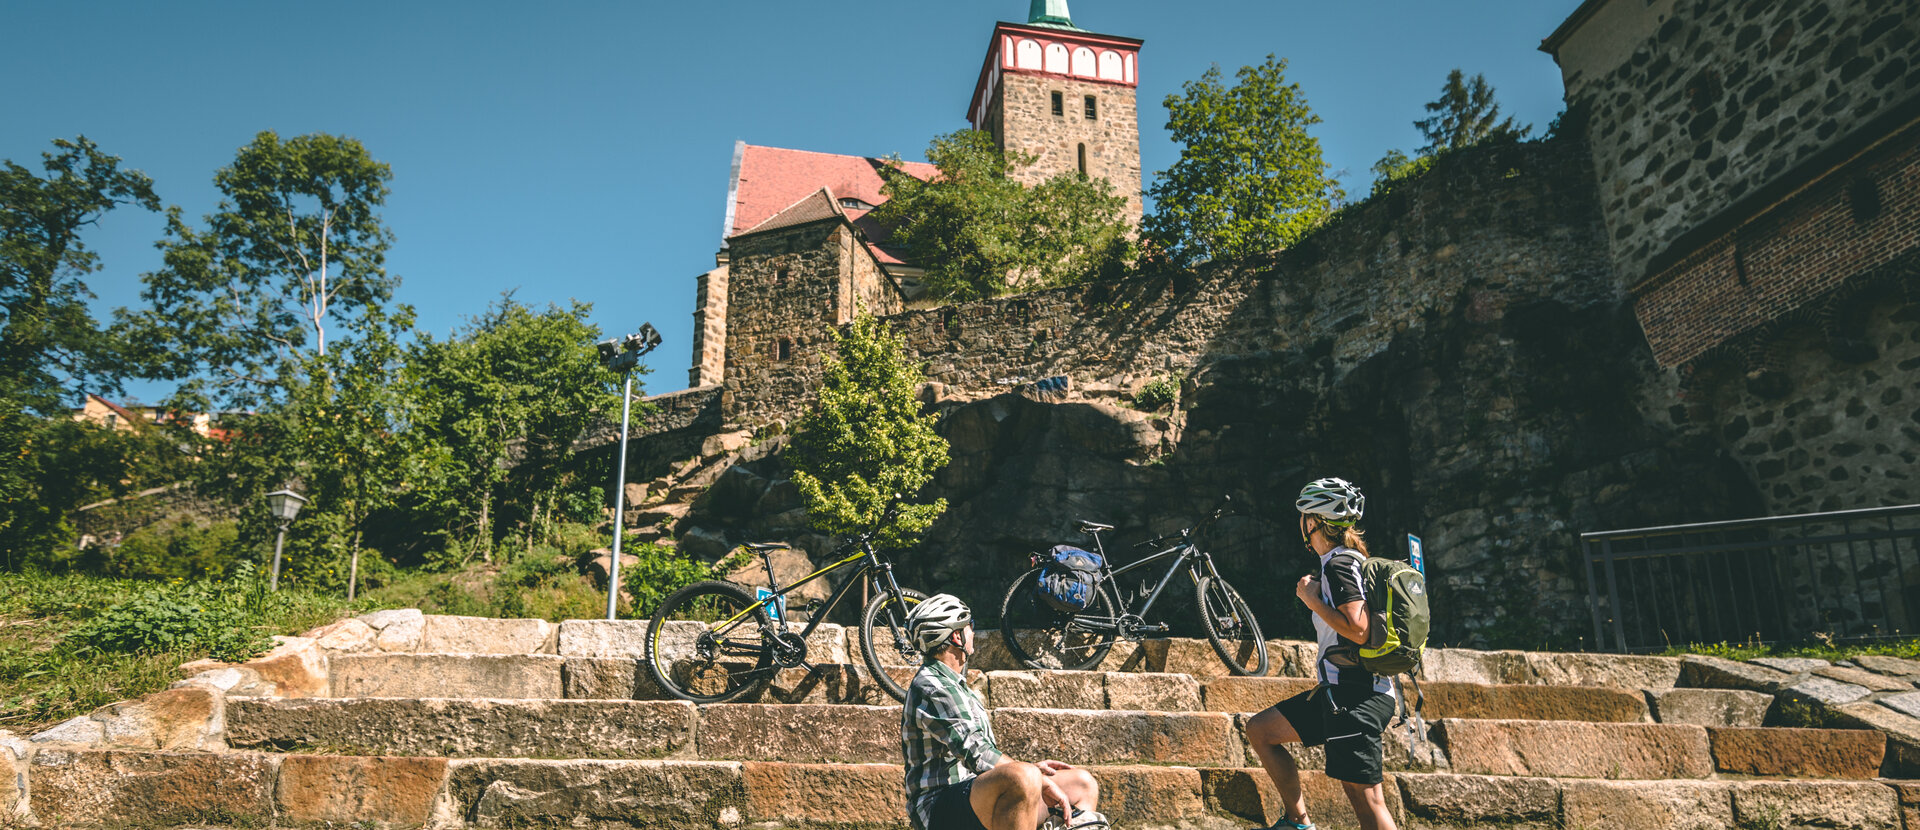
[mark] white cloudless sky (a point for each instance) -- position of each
(581, 149)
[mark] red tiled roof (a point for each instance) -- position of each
(770, 180)
(813, 207)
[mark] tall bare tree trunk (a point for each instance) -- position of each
(353, 571)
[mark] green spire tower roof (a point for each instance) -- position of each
(1052, 14)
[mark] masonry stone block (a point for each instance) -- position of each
(458, 727)
(1105, 737)
(800, 733)
(74, 788)
(606, 678)
(187, 719)
(1617, 671)
(1531, 702)
(1252, 694)
(1461, 665)
(79, 729)
(399, 630)
(591, 793)
(603, 638)
(1437, 800)
(1679, 805)
(359, 792)
(1152, 691)
(1047, 689)
(447, 634)
(15, 753)
(1702, 672)
(294, 667)
(1182, 655)
(1709, 707)
(824, 794)
(349, 635)
(1871, 681)
(1890, 666)
(1902, 731)
(447, 675)
(1824, 690)
(832, 683)
(1798, 753)
(1564, 749)
(1824, 804)
(1133, 796)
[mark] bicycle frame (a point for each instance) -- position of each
(1187, 553)
(878, 570)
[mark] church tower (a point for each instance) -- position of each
(1064, 95)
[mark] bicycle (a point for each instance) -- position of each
(713, 642)
(1062, 640)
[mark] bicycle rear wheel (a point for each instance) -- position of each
(708, 644)
(1231, 627)
(1044, 638)
(884, 641)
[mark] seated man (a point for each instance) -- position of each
(956, 778)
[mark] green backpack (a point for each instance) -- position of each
(1398, 617)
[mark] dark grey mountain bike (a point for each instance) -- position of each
(1045, 638)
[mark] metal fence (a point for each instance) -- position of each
(1847, 575)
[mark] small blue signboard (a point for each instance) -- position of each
(1414, 556)
(776, 609)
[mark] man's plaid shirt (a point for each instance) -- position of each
(945, 734)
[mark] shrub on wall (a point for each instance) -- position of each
(181, 548)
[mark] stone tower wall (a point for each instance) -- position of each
(800, 309)
(709, 329)
(1024, 121)
(1696, 105)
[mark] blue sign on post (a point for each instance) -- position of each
(776, 609)
(1414, 555)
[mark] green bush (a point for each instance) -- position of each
(1156, 395)
(660, 571)
(214, 618)
(177, 549)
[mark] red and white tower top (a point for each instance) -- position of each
(1049, 44)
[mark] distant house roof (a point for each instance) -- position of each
(812, 207)
(769, 181)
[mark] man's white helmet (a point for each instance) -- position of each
(1336, 500)
(933, 621)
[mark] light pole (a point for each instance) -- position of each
(284, 505)
(623, 355)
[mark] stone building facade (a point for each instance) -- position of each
(1066, 97)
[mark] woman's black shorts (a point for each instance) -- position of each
(1351, 735)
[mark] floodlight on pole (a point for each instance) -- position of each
(622, 354)
(284, 505)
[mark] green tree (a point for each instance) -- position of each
(514, 386)
(50, 344)
(981, 233)
(1250, 179)
(295, 248)
(1464, 115)
(868, 439)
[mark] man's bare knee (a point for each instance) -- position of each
(1271, 728)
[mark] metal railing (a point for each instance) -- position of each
(1846, 575)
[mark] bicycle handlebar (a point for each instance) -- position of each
(1226, 503)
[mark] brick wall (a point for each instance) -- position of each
(1694, 105)
(1024, 121)
(1858, 218)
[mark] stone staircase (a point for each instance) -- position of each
(402, 720)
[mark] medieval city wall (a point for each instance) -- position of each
(1703, 104)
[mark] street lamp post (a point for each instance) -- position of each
(284, 505)
(623, 355)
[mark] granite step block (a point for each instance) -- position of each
(466, 728)
(1566, 749)
(446, 675)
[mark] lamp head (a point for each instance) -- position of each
(285, 504)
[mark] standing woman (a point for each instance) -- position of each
(1351, 706)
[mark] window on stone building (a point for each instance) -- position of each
(1093, 107)
(1083, 159)
(1059, 103)
(784, 349)
(780, 275)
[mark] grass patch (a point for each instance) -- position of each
(1819, 648)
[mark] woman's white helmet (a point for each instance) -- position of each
(1336, 500)
(933, 621)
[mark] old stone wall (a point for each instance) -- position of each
(1026, 123)
(786, 294)
(1718, 100)
(709, 328)
(1458, 347)
(865, 289)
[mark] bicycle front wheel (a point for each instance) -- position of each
(884, 640)
(1044, 638)
(1231, 627)
(708, 644)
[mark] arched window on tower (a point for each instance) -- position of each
(1110, 66)
(1083, 159)
(1057, 58)
(1029, 54)
(1083, 61)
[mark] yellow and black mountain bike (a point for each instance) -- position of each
(712, 642)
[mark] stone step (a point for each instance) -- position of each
(109, 788)
(851, 733)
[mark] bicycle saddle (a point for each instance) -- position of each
(763, 547)
(1092, 527)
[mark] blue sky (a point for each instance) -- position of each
(581, 149)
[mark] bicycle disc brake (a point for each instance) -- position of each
(789, 649)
